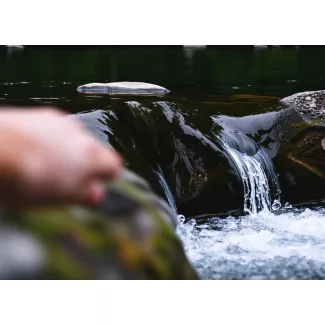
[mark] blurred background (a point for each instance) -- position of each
(38, 74)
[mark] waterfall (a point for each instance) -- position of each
(255, 172)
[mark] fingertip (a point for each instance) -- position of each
(95, 193)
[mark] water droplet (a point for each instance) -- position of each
(276, 205)
(181, 218)
(192, 222)
(288, 205)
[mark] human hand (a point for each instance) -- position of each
(47, 158)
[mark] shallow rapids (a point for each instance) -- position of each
(286, 245)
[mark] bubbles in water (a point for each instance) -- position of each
(276, 205)
(192, 223)
(290, 245)
(287, 206)
(180, 219)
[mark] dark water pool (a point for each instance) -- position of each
(50, 75)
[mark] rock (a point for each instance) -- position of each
(124, 87)
(293, 136)
(308, 150)
(311, 104)
(185, 143)
(297, 134)
(129, 236)
(172, 140)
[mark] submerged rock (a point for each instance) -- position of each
(129, 236)
(124, 87)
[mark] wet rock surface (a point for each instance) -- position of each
(311, 103)
(163, 136)
(124, 87)
(185, 146)
(129, 236)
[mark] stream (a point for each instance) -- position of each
(211, 147)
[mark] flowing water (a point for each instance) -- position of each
(287, 245)
(262, 237)
(168, 192)
(253, 173)
(269, 243)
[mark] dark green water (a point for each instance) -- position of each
(50, 75)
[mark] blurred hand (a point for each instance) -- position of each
(47, 158)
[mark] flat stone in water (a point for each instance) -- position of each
(124, 87)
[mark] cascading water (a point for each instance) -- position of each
(251, 169)
(262, 245)
(269, 241)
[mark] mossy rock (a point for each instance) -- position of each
(129, 236)
(304, 137)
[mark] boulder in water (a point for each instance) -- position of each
(162, 146)
(125, 87)
(299, 135)
(309, 103)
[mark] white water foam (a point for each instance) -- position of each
(290, 245)
(263, 245)
(286, 243)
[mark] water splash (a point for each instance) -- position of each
(273, 242)
(168, 192)
(287, 245)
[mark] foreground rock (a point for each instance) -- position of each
(130, 236)
(124, 87)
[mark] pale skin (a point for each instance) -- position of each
(48, 158)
